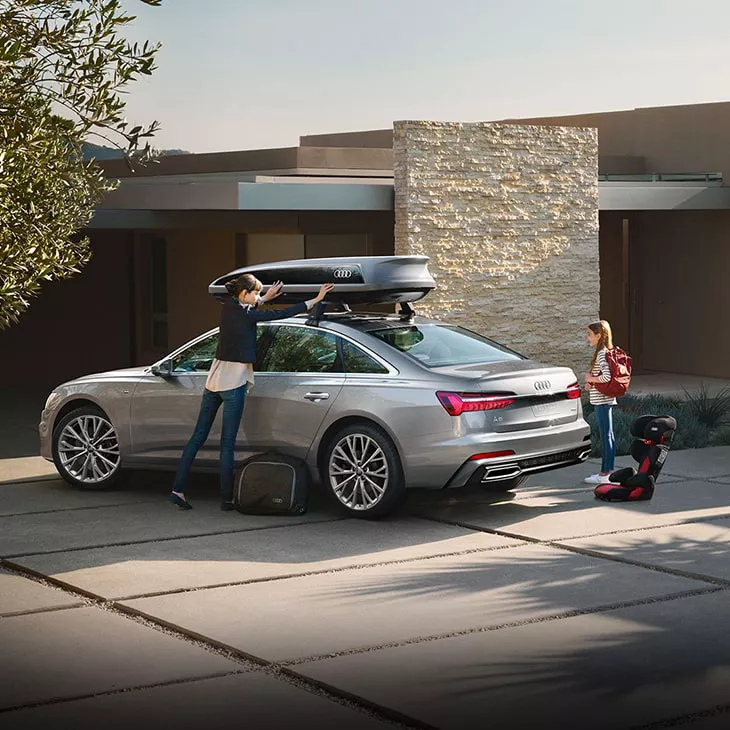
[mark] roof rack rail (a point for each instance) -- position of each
(407, 313)
(318, 311)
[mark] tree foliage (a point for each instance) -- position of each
(64, 65)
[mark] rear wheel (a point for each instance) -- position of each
(363, 472)
(506, 485)
(86, 449)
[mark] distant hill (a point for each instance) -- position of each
(100, 152)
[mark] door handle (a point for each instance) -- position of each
(314, 397)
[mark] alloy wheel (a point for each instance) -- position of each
(358, 472)
(88, 449)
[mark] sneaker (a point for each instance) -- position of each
(227, 506)
(597, 479)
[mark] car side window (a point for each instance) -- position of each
(198, 357)
(356, 360)
(302, 350)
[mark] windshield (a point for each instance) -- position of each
(435, 345)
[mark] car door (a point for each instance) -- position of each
(297, 381)
(164, 409)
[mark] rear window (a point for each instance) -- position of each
(435, 345)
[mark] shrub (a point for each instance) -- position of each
(721, 437)
(709, 410)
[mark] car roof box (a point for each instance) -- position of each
(357, 279)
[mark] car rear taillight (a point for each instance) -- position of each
(573, 391)
(458, 403)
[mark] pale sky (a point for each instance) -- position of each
(248, 74)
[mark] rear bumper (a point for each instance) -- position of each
(550, 457)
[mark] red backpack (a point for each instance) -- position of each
(619, 363)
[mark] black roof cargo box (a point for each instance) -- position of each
(357, 279)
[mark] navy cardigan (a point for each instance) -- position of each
(237, 337)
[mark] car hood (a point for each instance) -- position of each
(123, 374)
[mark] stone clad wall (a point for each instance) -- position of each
(509, 216)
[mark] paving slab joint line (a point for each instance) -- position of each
(127, 543)
(323, 571)
(123, 690)
(640, 564)
(509, 625)
(690, 718)
(279, 670)
(85, 598)
(248, 662)
(73, 509)
(601, 556)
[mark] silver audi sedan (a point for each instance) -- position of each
(374, 403)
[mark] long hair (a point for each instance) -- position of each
(605, 339)
(245, 282)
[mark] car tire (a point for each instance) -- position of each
(85, 449)
(506, 485)
(363, 473)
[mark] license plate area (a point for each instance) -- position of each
(551, 408)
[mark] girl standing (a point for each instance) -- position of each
(230, 375)
(600, 337)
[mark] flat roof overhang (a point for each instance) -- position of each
(662, 196)
(259, 193)
(140, 200)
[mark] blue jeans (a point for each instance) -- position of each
(604, 416)
(232, 401)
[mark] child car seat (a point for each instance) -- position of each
(652, 438)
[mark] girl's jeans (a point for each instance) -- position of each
(232, 401)
(604, 415)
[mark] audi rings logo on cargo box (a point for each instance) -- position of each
(543, 385)
(342, 273)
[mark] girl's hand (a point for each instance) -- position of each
(324, 290)
(273, 292)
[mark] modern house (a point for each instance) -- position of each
(507, 211)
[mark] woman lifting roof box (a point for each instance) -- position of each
(358, 279)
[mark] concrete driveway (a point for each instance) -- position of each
(542, 608)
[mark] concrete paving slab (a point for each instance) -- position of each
(58, 531)
(254, 701)
(86, 650)
(620, 669)
(172, 565)
(24, 467)
(702, 548)
(576, 513)
(19, 594)
(698, 463)
(55, 494)
(315, 615)
(571, 478)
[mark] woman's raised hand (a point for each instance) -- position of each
(324, 290)
(273, 292)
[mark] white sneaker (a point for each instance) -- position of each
(597, 479)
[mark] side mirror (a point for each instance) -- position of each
(162, 368)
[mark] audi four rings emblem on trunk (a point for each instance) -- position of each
(342, 273)
(543, 385)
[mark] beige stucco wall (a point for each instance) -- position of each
(509, 216)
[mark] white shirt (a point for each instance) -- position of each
(227, 375)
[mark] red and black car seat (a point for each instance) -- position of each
(652, 438)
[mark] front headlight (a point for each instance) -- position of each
(52, 398)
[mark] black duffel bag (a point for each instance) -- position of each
(272, 484)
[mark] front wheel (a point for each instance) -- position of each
(86, 449)
(363, 472)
